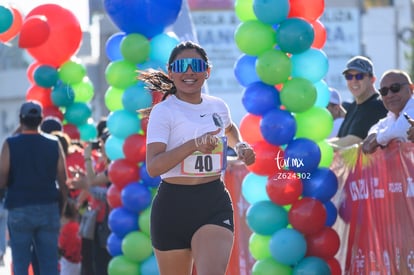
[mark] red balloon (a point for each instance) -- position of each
(323, 244)
(320, 34)
(72, 131)
(121, 172)
(307, 215)
(14, 28)
(30, 71)
(156, 97)
(335, 266)
(144, 124)
(284, 188)
(308, 10)
(65, 35)
(134, 148)
(40, 94)
(250, 128)
(113, 196)
(266, 158)
(53, 111)
(35, 31)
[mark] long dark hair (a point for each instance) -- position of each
(158, 80)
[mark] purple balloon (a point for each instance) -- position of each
(148, 18)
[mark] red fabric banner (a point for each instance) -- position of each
(376, 210)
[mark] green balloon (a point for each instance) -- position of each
(113, 99)
(136, 246)
(315, 123)
(259, 246)
(327, 154)
(254, 37)
(244, 10)
(144, 221)
(135, 48)
(71, 72)
(273, 67)
(298, 95)
(121, 74)
(120, 265)
(84, 91)
(271, 267)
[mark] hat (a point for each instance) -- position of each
(360, 64)
(31, 109)
(335, 97)
(50, 124)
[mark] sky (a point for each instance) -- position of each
(79, 8)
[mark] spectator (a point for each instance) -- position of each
(32, 167)
(365, 110)
(396, 91)
(70, 241)
(51, 124)
(337, 111)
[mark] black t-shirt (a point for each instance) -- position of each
(359, 118)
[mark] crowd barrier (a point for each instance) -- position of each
(375, 202)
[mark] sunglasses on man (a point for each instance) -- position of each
(393, 88)
(358, 76)
(198, 65)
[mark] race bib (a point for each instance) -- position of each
(206, 164)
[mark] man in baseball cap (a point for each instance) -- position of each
(361, 64)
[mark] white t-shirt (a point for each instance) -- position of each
(174, 122)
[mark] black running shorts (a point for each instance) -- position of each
(178, 211)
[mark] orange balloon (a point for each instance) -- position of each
(250, 128)
(35, 31)
(40, 94)
(320, 34)
(14, 28)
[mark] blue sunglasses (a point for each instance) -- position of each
(181, 65)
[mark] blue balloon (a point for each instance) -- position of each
(148, 18)
(278, 127)
(78, 113)
(271, 12)
(62, 95)
(288, 246)
(311, 64)
(331, 213)
(121, 221)
(114, 245)
(136, 197)
(123, 123)
(146, 179)
(322, 185)
(302, 155)
(113, 148)
(265, 218)
(254, 188)
(113, 46)
(294, 35)
(312, 265)
(45, 76)
(245, 70)
(162, 45)
(136, 97)
(153, 64)
(149, 266)
(322, 94)
(259, 98)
